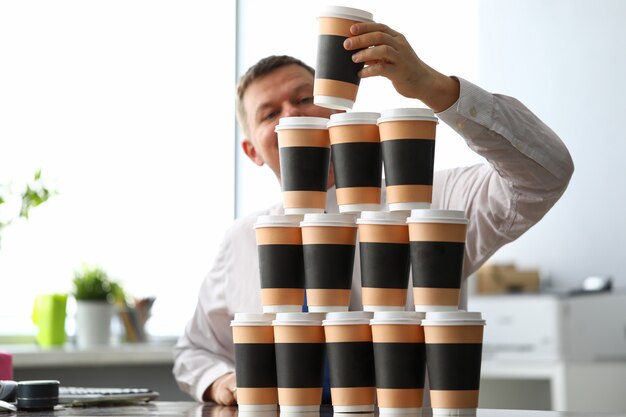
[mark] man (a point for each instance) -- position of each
(528, 170)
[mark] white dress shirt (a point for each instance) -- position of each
(528, 170)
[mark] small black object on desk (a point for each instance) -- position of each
(37, 395)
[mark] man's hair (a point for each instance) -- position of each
(258, 70)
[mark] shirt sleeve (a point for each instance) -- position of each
(204, 352)
(528, 170)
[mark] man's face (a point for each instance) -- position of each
(285, 92)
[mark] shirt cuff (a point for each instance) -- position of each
(473, 103)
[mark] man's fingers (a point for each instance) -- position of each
(223, 389)
(366, 27)
(378, 68)
(226, 397)
(368, 39)
(384, 53)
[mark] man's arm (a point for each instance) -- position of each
(203, 357)
(529, 169)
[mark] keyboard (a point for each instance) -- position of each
(102, 396)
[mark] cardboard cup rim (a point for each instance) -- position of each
(345, 322)
(414, 322)
(427, 322)
(353, 118)
(437, 216)
(349, 13)
(408, 114)
(284, 220)
(296, 323)
(305, 122)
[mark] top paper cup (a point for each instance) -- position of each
(348, 13)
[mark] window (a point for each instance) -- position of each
(128, 109)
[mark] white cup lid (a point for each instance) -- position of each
(328, 219)
(349, 13)
(286, 220)
(252, 319)
(453, 318)
(353, 118)
(339, 318)
(394, 115)
(383, 217)
(301, 122)
(397, 317)
(298, 319)
(437, 216)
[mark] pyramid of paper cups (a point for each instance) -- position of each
(378, 356)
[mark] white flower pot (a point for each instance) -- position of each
(93, 323)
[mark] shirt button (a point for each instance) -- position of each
(473, 111)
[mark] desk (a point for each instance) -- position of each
(127, 365)
(191, 409)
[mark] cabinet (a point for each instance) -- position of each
(554, 352)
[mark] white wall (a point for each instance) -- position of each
(566, 60)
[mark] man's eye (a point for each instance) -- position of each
(306, 100)
(270, 116)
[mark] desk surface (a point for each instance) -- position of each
(191, 409)
(32, 356)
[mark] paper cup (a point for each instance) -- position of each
(281, 263)
(408, 147)
(453, 356)
(336, 75)
(304, 154)
(399, 356)
(437, 250)
(351, 361)
(300, 355)
(255, 362)
(357, 161)
(385, 260)
(328, 242)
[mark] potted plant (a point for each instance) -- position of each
(94, 293)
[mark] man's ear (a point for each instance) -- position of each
(250, 151)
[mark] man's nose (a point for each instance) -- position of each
(291, 110)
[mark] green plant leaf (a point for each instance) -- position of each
(34, 195)
(93, 283)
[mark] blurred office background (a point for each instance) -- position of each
(128, 109)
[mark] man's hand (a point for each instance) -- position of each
(387, 52)
(223, 390)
